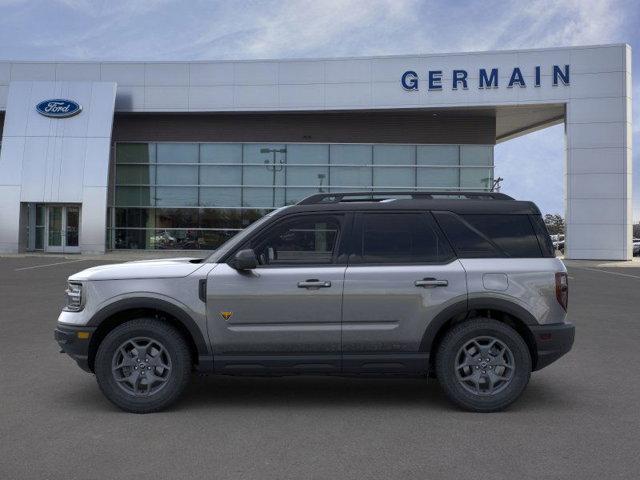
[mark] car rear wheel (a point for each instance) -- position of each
(483, 365)
(143, 365)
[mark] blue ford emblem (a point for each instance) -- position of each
(58, 108)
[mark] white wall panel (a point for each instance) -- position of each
(77, 72)
(47, 157)
(166, 74)
(33, 71)
(206, 74)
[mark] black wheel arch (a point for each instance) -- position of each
(120, 311)
(505, 311)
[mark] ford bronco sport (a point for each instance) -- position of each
(462, 286)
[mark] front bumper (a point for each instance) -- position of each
(75, 341)
(552, 342)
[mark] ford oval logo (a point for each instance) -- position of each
(58, 108)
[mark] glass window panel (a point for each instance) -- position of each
(439, 177)
(177, 175)
(401, 238)
(40, 219)
(134, 217)
(438, 155)
(514, 234)
(221, 218)
(177, 196)
(220, 197)
(476, 155)
(135, 152)
(131, 239)
(135, 174)
(394, 155)
(476, 178)
(265, 173)
(223, 175)
(221, 153)
(39, 238)
(350, 177)
(305, 240)
(177, 152)
(306, 154)
(307, 176)
(263, 197)
(176, 217)
(135, 196)
(393, 177)
(294, 195)
(351, 154)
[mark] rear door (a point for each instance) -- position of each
(401, 274)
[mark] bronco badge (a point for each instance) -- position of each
(226, 315)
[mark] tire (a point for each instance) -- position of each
(492, 385)
(130, 383)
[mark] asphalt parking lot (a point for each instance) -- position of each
(579, 418)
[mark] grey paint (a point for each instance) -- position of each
(271, 314)
(384, 311)
(530, 284)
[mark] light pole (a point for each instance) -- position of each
(274, 166)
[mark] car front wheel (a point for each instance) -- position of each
(483, 365)
(143, 365)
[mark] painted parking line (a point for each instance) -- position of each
(51, 264)
(610, 273)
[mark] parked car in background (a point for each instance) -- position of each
(636, 247)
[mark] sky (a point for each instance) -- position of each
(532, 165)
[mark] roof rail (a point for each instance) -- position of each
(338, 197)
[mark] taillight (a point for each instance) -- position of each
(562, 289)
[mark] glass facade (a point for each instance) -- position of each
(197, 195)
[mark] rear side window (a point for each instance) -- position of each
(486, 236)
(513, 234)
(466, 240)
(544, 240)
(396, 238)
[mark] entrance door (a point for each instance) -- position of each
(62, 229)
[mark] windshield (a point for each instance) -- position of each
(230, 244)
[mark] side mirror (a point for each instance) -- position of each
(245, 260)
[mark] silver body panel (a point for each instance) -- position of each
(384, 311)
(528, 282)
(270, 314)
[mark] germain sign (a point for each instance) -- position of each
(58, 108)
(487, 78)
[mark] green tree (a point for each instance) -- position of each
(554, 223)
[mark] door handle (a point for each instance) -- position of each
(431, 283)
(314, 283)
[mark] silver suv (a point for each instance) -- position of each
(461, 286)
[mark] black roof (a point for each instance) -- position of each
(456, 202)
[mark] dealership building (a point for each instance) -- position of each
(98, 156)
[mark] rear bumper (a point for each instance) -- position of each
(552, 342)
(74, 345)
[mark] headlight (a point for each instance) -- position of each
(74, 297)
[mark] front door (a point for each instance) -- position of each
(401, 274)
(285, 314)
(62, 229)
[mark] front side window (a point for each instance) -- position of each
(305, 240)
(396, 238)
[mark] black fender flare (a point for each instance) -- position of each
(464, 307)
(185, 319)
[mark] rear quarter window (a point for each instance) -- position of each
(491, 235)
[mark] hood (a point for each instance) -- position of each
(162, 268)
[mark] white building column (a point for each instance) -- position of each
(598, 205)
